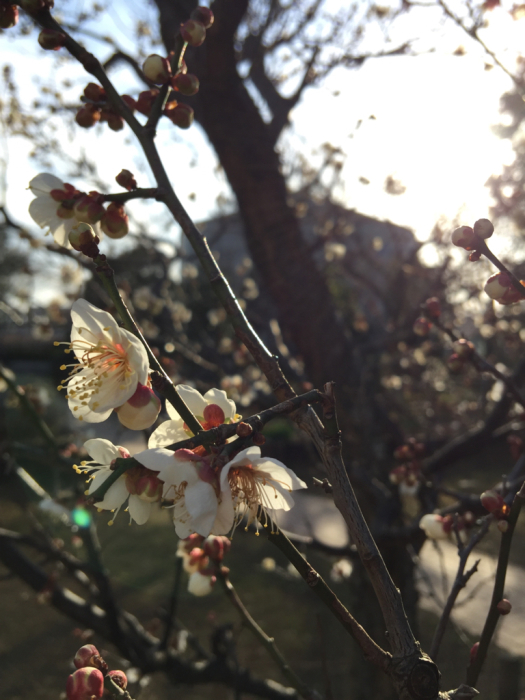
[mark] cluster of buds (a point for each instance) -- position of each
(126, 179)
(493, 501)
(96, 108)
(200, 558)
(439, 527)
(92, 676)
(463, 351)
(500, 288)
(472, 238)
(193, 31)
(410, 455)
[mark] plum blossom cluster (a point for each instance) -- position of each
(111, 371)
(439, 527)
(200, 558)
(59, 208)
(409, 455)
(93, 676)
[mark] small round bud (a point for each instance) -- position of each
(422, 326)
(130, 102)
(95, 93)
(455, 363)
(464, 349)
(492, 501)
(433, 307)
(115, 222)
(87, 116)
(483, 228)
(181, 115)
(474, 652)
(157, 69)
(8, 15)
(84, 656)
(503, 526)
(432, 525)
(85, 684)
(119, 678)
(203, 15)
(146, 100)
(474, 256)
(244, 430)
(51, 40)
(193, 32)
(258, 439)
(464, 237)
(80, 236)
(126, 179)
(215, 547)
(141, 410)
(499, 287)
(504, 607)
(185, 83)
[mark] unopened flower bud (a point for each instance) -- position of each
(474, 256)
(200, 584)
(146, 100)
(8, 15)
(215, 547)
(244, 430)
(464, 237)
(51, 40)
(187, 84)
(258, 439)
(474, 652)
(464, 349)
(119, 678)
(126, 179)
(130, 101)
(504, 607)
(141, 410)
(492, 501)
(115, 222)
(455, 363)
(432, 525)
(433, 307)
(422, 326)
(95, 93)
(88, 210)
(483, 228)
(82, 236)
(157, 69)
(84, 656)
(503, 526)
(181, 115)
(114, 120)
(87, 116)
(499, 287)
(85, 684)
(193, 32)
(203, 15)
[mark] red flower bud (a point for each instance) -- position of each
(483, 228)
(114, 120)
(115, 222)
(82, 237)
(504, 607)
(187, 84)
(433, 307)
(84, 656)
(203, 15)
(130, 101)
(258, 439)
(88, 210)
(51, 40)
(8, 15)
(193, 32)
(216, 547)
(146, 100)
(126, 179)
(474, 256)
(87, 116)
(422, 326)
(95, 93)
(119, 678)
(500, 288)
(85, 684)
(141, 410)
(157, 69)
(244, 430)
(492, 501)
(464, 237)
(181, 115)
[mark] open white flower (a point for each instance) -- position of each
(250, 481)
(53, 209)
(140, 484)
(111, 364)
(192, 484)
(211, 410)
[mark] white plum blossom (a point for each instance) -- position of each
(432, 525)
(48, 209)
(211, 410)
(200, 584)
(192, 484)
(140, 484)
(112, 362)
(250, 481)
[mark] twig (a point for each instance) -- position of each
(493, 615)
(171, 612)
(268, 642)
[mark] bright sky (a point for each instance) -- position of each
(432, 131)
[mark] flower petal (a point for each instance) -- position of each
(86, 316)
(168, 433)
(279, 472)
(43, 183)
(115, 495)
(193, 400)
(101, 451)
(98, 479)
(43, 211)
(139, 510)
(225, 515)
(220, 398)
(201, 503)
(157, 459)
